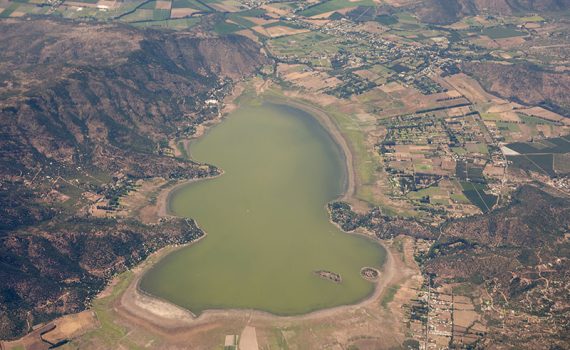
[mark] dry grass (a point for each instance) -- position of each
(502, 107)
(260, 21)
(393, 87)
(545, 114)
(226, 6)
(312, 80)
(249, 34)
(509, 43)
(72, 326)
(367, 74)
(400, 3)
(163, 5)
(274, 11)
(326, 15)
(182, 12)
(471, 89)
(280, 31)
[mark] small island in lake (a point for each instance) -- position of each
(369, 273)
(329, 275)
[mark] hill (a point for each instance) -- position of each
(525, 83)
(85, 110)
(449, 11)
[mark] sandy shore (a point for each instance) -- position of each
(167, 318)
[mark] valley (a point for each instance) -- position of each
(156, 193)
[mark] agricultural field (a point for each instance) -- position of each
(477, 194)
(420, 151)
(175, 14)
(540, 156)
(22, 8)
(304, 46)
(306, 77)
(501, 32)
(333, 5)
(554, 145)
(512, 125)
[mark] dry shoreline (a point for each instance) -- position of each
(164, 199)
(167, 318)
(145, 309)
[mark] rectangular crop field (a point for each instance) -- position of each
(333, 5)
(541, 163)
(501, 32)
(553, 145)
(476, 195)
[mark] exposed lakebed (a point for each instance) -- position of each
(266, 221)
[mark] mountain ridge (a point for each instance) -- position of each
(86, 110)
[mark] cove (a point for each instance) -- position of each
(266, 221)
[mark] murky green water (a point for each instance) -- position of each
(266, 220)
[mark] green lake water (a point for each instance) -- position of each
(266, 221)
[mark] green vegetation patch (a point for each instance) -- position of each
(541, 163)
(282, 24)
(252, 13)
(178, 23)
(406, 17)
(387, 20)
(224, 28)
(501, 32)
(465, 289)
(459, 150)
(490, 116)
(430, 191)
(459, 198)
(139, 15)
(239, 20)
(193, 4)
(151, 5)
(475, 192)
(535, 18)
(562, 163)
(333, 5)
(304, 44)
(9, 10)
(527, 119)
(423, 167)
(389, 295)
(506, 126)
(553, 145)
(160, 15)
(477, 148)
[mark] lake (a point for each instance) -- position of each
(267, 225)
